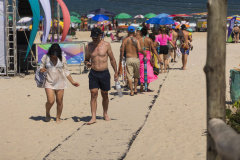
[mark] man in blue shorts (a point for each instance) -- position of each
(97, 52)
(184, 38)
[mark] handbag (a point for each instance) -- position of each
(152, 60)
(156, 71)
(40, 77)
(178, 52)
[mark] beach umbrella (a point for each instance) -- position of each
(139, 16)
(179, 15)
(25, 20)
(9, 17)
(160, 21)
(75, 14)
(200, 14)
(166, 21)
(179, 26)
(150, 15)
(103, 22)
(90, 15)
(161, 15)
(122, 16)
(74, 19)
(100, 17)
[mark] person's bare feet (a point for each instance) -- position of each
(48, 117)
(58, 120)
(141, 88)
(92, 121)
(184, 68)
(106, 118)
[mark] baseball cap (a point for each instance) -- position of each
(95, 32)
(139, 28)
(131, 29)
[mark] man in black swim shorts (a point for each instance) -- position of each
(97, 52)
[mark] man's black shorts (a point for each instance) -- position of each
(99, 79)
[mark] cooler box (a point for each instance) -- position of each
(234, 85)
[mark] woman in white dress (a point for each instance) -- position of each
(56, 67)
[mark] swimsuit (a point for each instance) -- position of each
(99, 79)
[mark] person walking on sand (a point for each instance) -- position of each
(236, 33)
(174, 39)
(97, 52)
(163, 38)
(131, 46)
(56, 67)
(147, 45)
(184, 38)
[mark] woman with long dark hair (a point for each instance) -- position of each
(56, 67)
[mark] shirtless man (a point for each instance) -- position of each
(236, 33)
(132, 46)
(98, 52)
(184, 36)
(174, 39)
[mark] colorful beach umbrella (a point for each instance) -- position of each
(25, 20)
(199, 14)
(90, 15)
(74, 19)
(100, 17)
(122, 16)
(179, 15)
(179, 26)
(139, 16)
(150, 15)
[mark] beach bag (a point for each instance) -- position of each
(178, 51)
(156, 71)
(40, 77)
(234, 82)
(152, 59)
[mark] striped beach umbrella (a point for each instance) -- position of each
(90, 15)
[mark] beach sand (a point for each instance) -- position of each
(167, 123)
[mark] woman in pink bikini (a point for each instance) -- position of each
(163, 38)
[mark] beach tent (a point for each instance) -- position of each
(102, 11)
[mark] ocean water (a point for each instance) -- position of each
(135, 7)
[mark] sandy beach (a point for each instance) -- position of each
(168, 123)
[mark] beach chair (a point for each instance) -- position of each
(113, 39)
